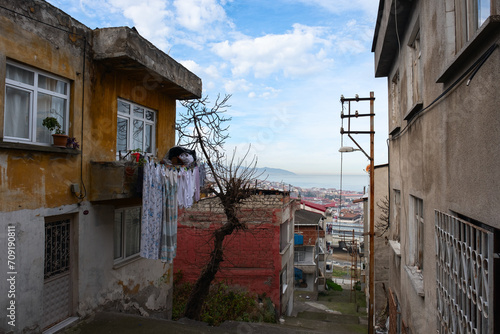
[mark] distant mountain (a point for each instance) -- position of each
(269, 170)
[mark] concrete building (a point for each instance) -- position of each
(259, 258)
(442, 62)
(70, 217)
(309, 251)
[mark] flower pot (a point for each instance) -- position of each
(59, 140)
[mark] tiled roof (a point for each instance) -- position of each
(314, 205)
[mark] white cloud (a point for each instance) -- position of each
(232, 86)
(195, 15)
(149, 17)
(294, 53)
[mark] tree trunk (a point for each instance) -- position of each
(202, 285)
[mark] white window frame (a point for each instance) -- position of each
(130, 118)
(416, 232)
(122, 235)
(33, 91)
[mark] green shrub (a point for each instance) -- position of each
(223, 303)
(333, 286)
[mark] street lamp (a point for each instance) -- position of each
(346, 149)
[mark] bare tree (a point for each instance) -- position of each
(204, 129)
(382, 224)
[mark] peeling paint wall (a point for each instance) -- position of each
(447, 156)
(35, 181)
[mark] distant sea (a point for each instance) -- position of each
(349, 182)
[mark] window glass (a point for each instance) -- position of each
(149, 139)
(51, 84)
(483, 11)
(139, 112)
(20, 75)
(27, 104)
(123, 107)
(17, 112)
(139, 123)
(122, 134)
(132, 231)
(118, 235)
(138, 135)
(49, 106)
(127, 233)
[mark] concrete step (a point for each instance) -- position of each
(329, 317)
(327, 322)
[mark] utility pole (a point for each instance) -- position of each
(371, 277)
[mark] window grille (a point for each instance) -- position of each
(57, 248)
(464, 259)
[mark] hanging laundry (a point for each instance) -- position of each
(169, 226)
(152, 211)
(165, 189)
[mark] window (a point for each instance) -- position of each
(469, 16)
(30, 96)
(416, 231)
(416, 67)
(127, 233)
(283, 280)
(300, 254)
(395, 119)
(466, 270)
(284, 235)
(397, 214)
(136, 128)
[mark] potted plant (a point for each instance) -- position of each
(59, 137)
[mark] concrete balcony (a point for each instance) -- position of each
(114, 180)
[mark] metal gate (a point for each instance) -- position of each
(57, 274)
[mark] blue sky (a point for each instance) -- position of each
(285, 62)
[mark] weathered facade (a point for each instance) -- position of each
(70, 215)
(442, 62)
(259, 258)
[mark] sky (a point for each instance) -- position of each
(286, 64)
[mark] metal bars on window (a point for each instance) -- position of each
(464, 261)
(57, 248)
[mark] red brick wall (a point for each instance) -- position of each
(310, 234)
(251, 257)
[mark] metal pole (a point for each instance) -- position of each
(372, 219)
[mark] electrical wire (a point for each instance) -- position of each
(473, 68)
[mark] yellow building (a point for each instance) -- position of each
(70, 217)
